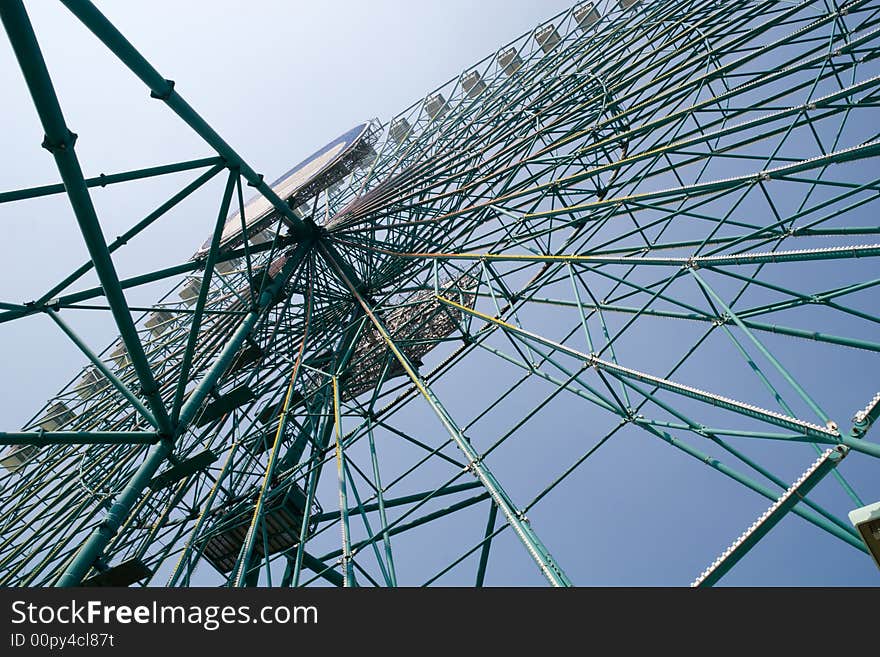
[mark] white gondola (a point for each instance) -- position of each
(190, 291)
(90, 383)
(509, 60)
(57, 415)
(16, 456)
(262, 237)
(586, 15)
(547, 37)
(399, 129)
(473, 84)
(119, 355)
(226, 266)
(159, 322)
(436, 105)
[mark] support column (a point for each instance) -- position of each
(60, 142)
(106, 530)
(478, 468)
(826, 463)
(163, 90)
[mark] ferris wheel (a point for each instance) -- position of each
(617, 274)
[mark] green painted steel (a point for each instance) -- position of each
(123, 239)
(92, 548)
(105, 371)
(826, 463)
(112, 178)
(60, 142)
(163, 90)
(44, 438)
(475, 464)
(655, 239)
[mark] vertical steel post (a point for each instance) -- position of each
(204, 290)
(163, 90)
(347, 568)
(60, 142)
(242, 575)
(516, 518)
(107, 529)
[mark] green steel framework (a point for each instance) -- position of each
(662, 211)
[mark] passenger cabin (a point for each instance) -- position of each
(119, 355)
(90, 383)
(16, 456)
(399, 130)
(509, 60)
(547, 37)
(159, 322)
(57, 415)
(586, 16)
(226, 266)
(473, 84)
(190, 291)
(262, 237)
(436, 105)
(367, 158)
(283, 514)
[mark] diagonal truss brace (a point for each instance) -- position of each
(44, 438)
(163, 90)
(60, 142)
(99, 539)
(518, 522)
(829, 460)
(807, 431)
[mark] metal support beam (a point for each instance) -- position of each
(323, 570)
(800, 255)
(863, 419)
(134, 281)
(399, 501)
(484, 552)
(246, 553)
(43, 438)
(478, 468)
(60, 142)
(109, 179)
(163, 90)
(133, 231)
(95, 544)
(823, 465)
(400, 528)
(103, 369)
(833, 528)
(196, 322)
(811, 432)
(347, 556)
